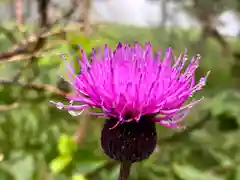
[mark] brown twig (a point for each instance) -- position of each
(34, 42)
(42, 11)
(32, 47)
(28, 48)
(37, 87)
(9, 107)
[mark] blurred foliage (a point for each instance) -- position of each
(36, 138)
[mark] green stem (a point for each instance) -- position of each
(124, 171)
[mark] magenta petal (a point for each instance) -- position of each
(128, 83)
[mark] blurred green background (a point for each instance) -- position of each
(40, 142)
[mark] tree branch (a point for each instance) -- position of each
(34, 42)
(43, 12)
(37, 87)
(9, 106)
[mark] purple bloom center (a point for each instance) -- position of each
(131, 82)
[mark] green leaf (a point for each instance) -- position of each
(225, 101)
(186, 172)
(78, 177)
(237, 172)
(71, 52)
(87, 43)
(233, 173)
(87, 167)
(66, 145)
(114, 173)
(58, 164)
(223, 159)
(54, 56)
(23, 168)
(61, 176)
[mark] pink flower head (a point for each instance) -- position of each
(130, 82)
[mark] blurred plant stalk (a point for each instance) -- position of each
(81, 130)
(125, 169)
(18, 12)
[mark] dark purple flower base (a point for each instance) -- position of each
(131, 141)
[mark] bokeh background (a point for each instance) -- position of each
(40, 142)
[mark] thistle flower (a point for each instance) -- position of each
(134, 90)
